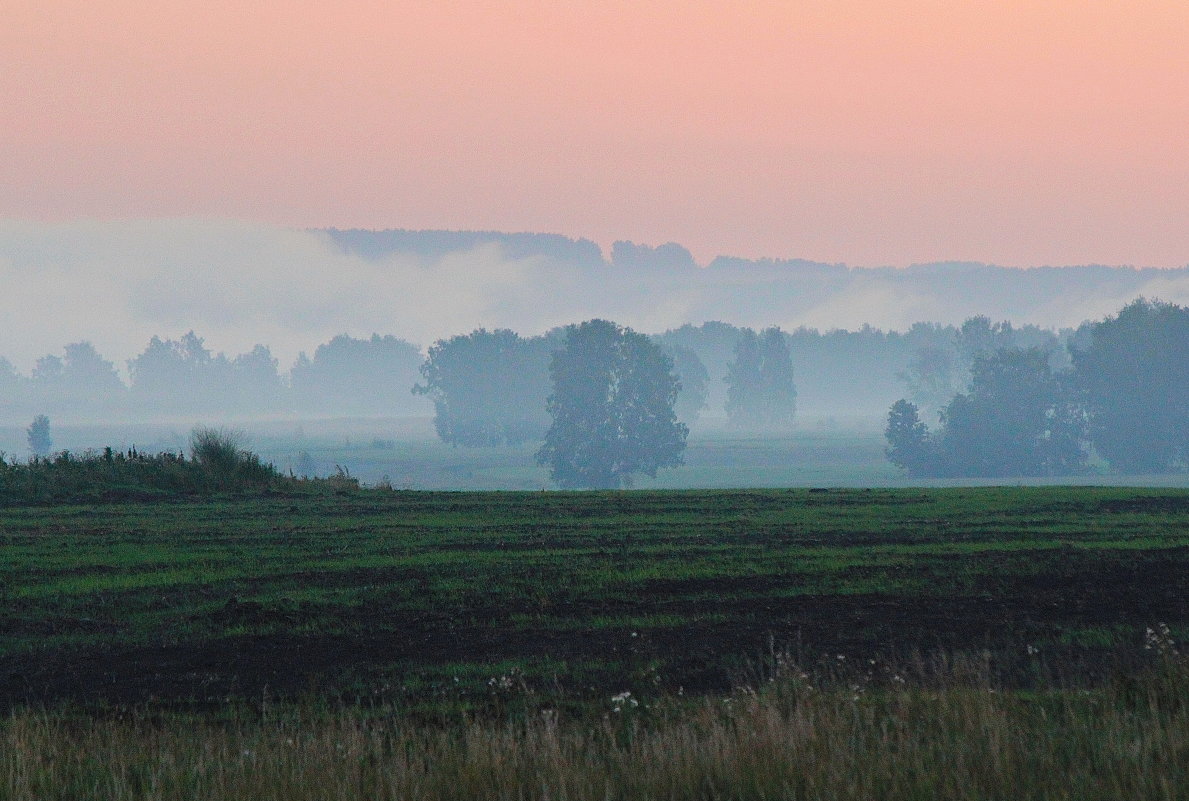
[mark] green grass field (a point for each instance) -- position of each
(427, 598)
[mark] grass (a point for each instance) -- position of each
(927, 730)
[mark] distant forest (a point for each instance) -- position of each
(839, 372)
(836, 373)
(979, 399)
(183, 378)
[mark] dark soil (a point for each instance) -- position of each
(707, 653)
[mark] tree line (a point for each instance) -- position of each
(1009, 402)
(1119, 393)
(493, 388)
(602, 398)
(837, 373)
(183, 377)
(1006, 400)
(486, 388)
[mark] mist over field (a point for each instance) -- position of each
(116, 284)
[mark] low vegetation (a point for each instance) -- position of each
(219, 463)
(939, 730)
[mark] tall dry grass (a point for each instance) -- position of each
(940, 737)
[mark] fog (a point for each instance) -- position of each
(237, 284)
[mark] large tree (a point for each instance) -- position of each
(1018, 419)
(488, 388)
(776, 375)
(612, 406)
(253, 382)
(173, 375)
(1133, 369)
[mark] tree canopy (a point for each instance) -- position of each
(184, 376)
(760, 389)
(1018, 418)
(38, 434)
(690, 371)
(488, 387)
(358, 376)
(1133, 369)
(612, 407)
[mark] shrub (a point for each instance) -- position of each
(224, 457)
(219, 450)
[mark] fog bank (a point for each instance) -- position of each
(117, 284)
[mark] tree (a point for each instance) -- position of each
(909, 445)
(38, 434)
(612, 408)
(81, 383)
(92, 380)
(253, 382)
(743, 381)
(1132, 370)
(776, 379)
(760, 389)
(174, 375)
(488, 388)
(932, 377)
(184, 376)
(359, 376)
(714, 344)
(978, 336)
(1018, 418)
(693, 377)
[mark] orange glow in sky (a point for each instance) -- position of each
(1023, 133)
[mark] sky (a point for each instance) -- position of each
(871, 133)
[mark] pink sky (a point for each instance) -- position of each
(1048, 131)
